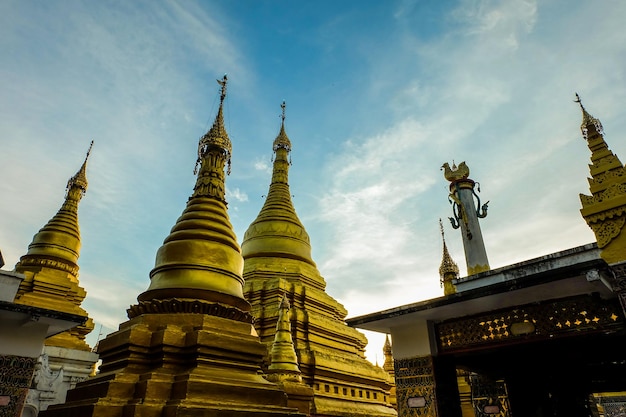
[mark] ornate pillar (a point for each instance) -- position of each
(466, 216)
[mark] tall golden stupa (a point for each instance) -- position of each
(50, 267)
(189, 347)
(278, 263)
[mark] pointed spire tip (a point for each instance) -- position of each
(588, 121)
(282, 140)
(223, 82)
(283, 106)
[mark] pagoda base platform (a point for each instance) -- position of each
(178, 365)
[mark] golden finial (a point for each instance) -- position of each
(588, 120)
(80, 178)
(387, 345)
(283, 106)
(216, 138)
(443, 237)
(282, 141)
(223, 83)
(578, 101)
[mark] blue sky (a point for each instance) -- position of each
(379, 94)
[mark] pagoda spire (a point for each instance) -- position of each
(605, 210)
(199, 266)
(283, 369)
(50, 266)
(277, 230)
(589, 122)
(466, 215)
(389, 367)
(283, 359)
(448, 270)
(388, 364)
(214, 152)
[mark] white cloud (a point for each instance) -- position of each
(497, 93)
(261, 164)
(499, 22)
(237, 194)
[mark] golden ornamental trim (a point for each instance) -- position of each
(606, 161)
(532, 321)
(176, 305)
(606, 215)
(607, 230)
(47, 263)
(614, 190)
(607, 176)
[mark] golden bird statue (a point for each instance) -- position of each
(455, 173)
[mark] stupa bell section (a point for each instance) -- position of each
(201, 260)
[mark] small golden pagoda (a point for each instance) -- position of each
(50, 267)
(448, 270)
(189, 348)
(605, 210)
(388, 366)
(278, 263)
(283, 366)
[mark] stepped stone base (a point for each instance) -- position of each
(175, 365)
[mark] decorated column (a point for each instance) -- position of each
(464, 202)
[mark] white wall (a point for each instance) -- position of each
(21, 338)
(410, 341)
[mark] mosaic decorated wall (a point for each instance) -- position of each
(16, 373)
(415, 387)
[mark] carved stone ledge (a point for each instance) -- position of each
(176, 305)
(64, 266)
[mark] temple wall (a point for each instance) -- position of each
(411, 341)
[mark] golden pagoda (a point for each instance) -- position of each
(278, 263)
(605, 209)
(448, 270)
(283, 366)
(388, 366)
(189, 347)
(50, 267)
